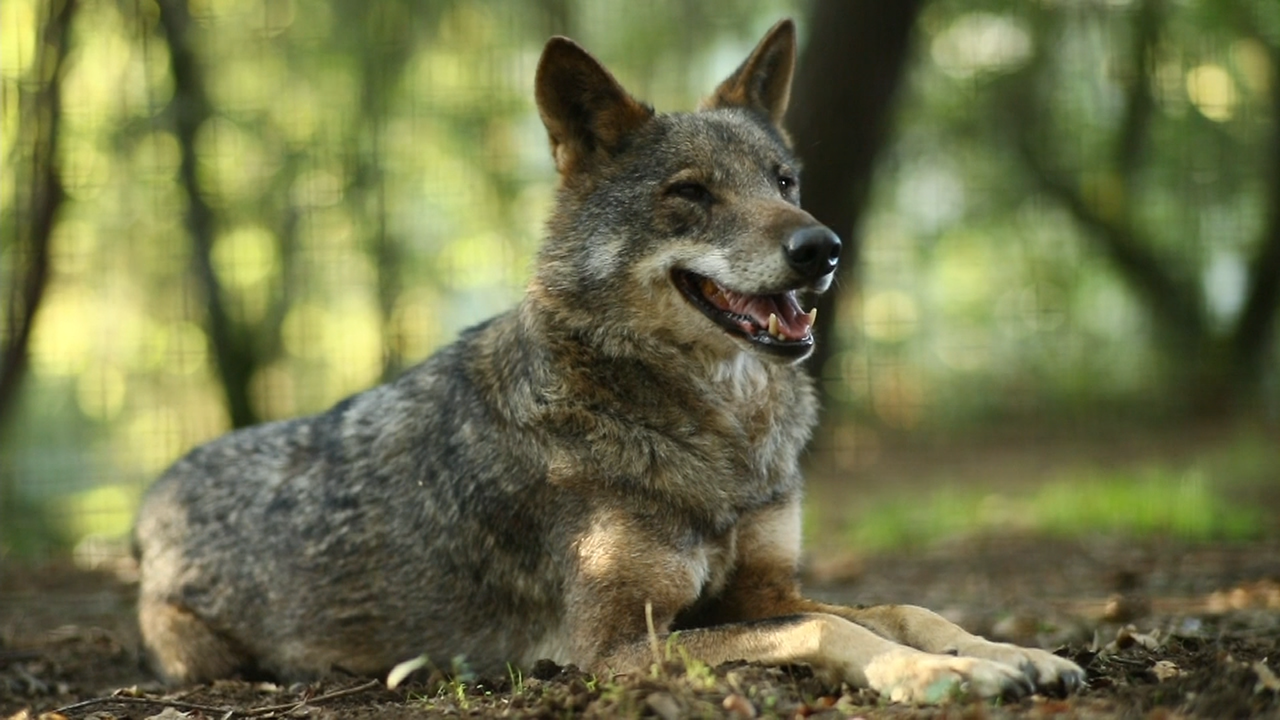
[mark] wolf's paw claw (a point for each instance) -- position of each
(1046, 670)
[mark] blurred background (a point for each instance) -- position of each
(1066, 214)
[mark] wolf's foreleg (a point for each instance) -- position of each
(932, 633)
(837, 648)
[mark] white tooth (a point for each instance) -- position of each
(813, 317)
(773, 325)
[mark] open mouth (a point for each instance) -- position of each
(775, 323)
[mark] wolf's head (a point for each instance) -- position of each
(682, 229)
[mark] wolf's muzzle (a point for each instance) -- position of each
(812, 251)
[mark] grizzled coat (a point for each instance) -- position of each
(627, 437)
(445, 512)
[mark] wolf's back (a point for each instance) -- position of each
(396, 522)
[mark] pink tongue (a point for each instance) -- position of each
(793, 324)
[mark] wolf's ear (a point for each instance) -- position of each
(763, 81)
(586, 112)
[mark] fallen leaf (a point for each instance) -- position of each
(664, 706)
(738, 706)
(169, 713)
(1260, 594)
(1267, 679)
(1163, 670)
(131, 691)
(404, 670)
(1128, 636)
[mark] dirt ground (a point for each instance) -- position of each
(1164, 629)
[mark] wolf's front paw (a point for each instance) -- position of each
(1046, 670)
(911, 676)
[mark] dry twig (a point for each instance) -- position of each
(223, 711)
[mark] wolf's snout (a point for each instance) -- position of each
(812, 251)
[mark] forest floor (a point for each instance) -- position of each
(1166, 628)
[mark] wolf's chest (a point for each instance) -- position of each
(711, 562)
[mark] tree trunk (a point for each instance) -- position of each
(848, 75)
(33, 227)
(231, 347)
(1253, 338)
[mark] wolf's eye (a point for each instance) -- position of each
(691, 191)
(786, 184)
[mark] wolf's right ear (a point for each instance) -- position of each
(586, 112)
(763, 81)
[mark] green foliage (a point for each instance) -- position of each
(1036, 145)
(379, 180)
(1205, 498)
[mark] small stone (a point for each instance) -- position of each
(738, 706)
(664, 706)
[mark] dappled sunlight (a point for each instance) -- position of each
(981, 42)
(60, 344)
(244, 85)
(416, 327)
(86, 167)
(1212, 91)
(379, 180)
(352, 343)
(102, 82)
(105, 510)
(304, 330)
(234, 165)
(1249, 57)
(156, 158)
(965, 276)
(890, 316)
(18, 18)
(245, 257)
(186, 349)
(100, 392)
(152, 437)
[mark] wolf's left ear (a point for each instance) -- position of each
(586, 111)
(763, 81)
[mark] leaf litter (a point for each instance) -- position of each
(1202, 643)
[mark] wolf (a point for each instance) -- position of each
(614, 461)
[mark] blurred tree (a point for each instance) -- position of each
(28, 225)
(380, 40)
(1068, 198)
(1216, 366)
(1077, 208)
(232, 344)
(848, 75)
(29, 220)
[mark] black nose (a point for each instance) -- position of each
(812, 251)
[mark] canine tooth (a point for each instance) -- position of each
(773, 325)
(813, 317)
